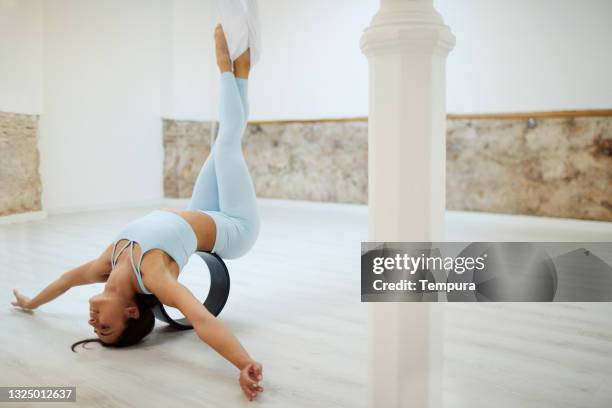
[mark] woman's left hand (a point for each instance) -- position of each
(250, 375)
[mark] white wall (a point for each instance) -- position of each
(510, 56)
(312, 66)
(102, 73)
(527, 55)
(191, 82)
(100, 139)
(20, 56)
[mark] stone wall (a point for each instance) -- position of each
(309, 161)
(186, 146)
(20, 185)
(556, 167)
(303, 161)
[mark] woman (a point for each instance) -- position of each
(149, 253)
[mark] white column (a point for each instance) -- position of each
(406, 44)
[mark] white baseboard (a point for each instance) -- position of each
(23, 217)
(154, 202)
(487, 220)
(175, 202)
(303, 204)
(285, 204)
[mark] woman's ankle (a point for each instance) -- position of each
(224, 63)
(242, 65)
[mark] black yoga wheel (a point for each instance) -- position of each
(217, 294)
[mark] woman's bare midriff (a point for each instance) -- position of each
(158, 261)
(203, 226)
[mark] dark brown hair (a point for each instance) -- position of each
(135, 329)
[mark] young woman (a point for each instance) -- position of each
(149, 253)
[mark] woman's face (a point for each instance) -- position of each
(107, 315)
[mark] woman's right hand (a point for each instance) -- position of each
(21, 301)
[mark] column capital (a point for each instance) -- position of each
(407, 26)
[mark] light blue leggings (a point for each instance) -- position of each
(224, 189)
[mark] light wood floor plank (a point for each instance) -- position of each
(295, 306)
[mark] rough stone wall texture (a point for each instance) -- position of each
(557, 167)
(325, 161)
(186, 146)
(20, 185)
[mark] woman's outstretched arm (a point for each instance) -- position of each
(91, 272)
(208, 328)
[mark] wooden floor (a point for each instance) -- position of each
(295, 306)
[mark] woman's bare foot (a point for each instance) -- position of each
(242, 65)
(224, 61)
